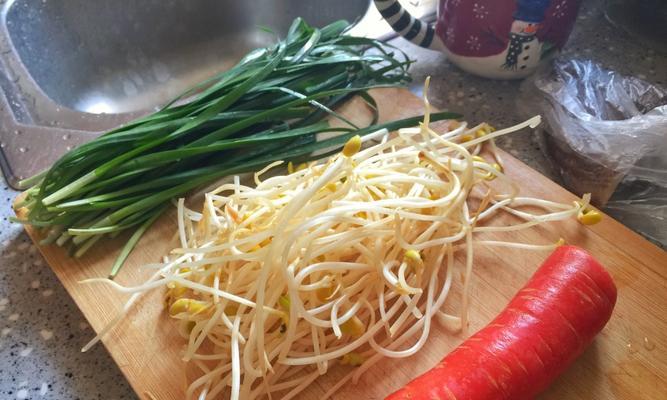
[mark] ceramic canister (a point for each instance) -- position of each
(500, 39)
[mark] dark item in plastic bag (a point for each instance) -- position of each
(602, 129)
(580, 174)
(598, 123)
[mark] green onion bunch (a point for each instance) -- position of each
(270, 106)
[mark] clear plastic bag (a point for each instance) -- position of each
(600, 129)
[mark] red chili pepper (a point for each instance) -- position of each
(545, 327)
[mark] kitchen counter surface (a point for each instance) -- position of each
(41, 329)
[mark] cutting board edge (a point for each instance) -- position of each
(117, 354)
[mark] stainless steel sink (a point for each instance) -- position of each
(71, 69)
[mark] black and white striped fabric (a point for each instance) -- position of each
(411, 28)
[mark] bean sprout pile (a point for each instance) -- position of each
(342, 262)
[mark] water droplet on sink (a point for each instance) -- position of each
(66, 136)
(17, 132)
(68, 148)
(130, 88)
(161, 72)
(136, 78)
(23, 149)
(3, 145)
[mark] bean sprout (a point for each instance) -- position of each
(342, 262)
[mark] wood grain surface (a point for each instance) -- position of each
(628, 360)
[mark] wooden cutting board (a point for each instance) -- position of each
(628, 360)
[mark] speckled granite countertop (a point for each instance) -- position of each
(41, 329)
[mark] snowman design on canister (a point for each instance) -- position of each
(516, 53)
(524, 49)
